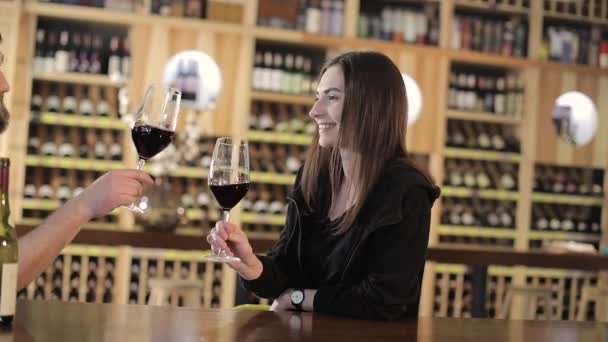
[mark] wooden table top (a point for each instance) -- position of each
(61, 321)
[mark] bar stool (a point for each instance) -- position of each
(594, 294)
(161, 289)
(529, 293)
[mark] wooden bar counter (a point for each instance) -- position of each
(62, 321)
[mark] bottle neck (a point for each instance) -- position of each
(4, 205)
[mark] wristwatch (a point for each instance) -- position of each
(297, 298)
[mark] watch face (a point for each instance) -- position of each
(297, 297)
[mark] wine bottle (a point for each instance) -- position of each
(116, 147)
(100, 148)
(313, 17)
(103, 107)
(52, 100)
(337, 18)
(66, 148)
(68, 104)
(36, 101)
(125, 61)
(62, 56)
(267, 71)
(8, 245)
(84, 54)
(95, 56)
(39, 58)
(74, 49)
(277, 72)
(287, 74)
(258, 70)
(114, 59)
(540, 219)
(49, 55)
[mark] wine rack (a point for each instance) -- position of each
(312, 16)
(566, 291)
(453, 294)
(79, 274)
(148, 264)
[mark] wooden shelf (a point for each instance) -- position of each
(282, 98)
(80, 121)
(48, 205)
(251, 218)
(575, 18)
(451, 191)
(491, 7)
(488, 232)
(483, 117)
(474, 57)
(198, 214)
(105, 16)
(78, 78)
(272, 178)
(73, 163)
(279, 138)
(189, 172)
(111, 227)
(559, 235)
(567, 199)
(465, 153)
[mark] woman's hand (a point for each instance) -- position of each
(230, 238)
(283, 302)
(113, 189)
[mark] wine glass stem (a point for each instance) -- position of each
(141, 163)
(226, 215)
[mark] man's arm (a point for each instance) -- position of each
(39, 247)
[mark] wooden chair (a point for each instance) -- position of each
(189, 290)
(531, 294)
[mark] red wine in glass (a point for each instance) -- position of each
(230, 194)
(150, 140)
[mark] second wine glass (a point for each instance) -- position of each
(154, 128)
(228, 181)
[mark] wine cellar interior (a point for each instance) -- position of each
(489, 72)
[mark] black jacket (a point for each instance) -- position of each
(375, 269)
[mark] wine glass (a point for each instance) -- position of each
(154, 128)
(229, 181)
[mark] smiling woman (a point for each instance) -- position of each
(358, 206)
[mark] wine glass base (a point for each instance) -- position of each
(217, 258)
(134, 208)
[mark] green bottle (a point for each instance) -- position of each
(8, 251)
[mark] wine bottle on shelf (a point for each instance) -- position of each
(36, 101)
(73, 52)
(559, 181)
(499, 97)
(483, 138)
(469, 134)
(288, 74)
(454, 217)
(68, 104)
(62, 55)
(453, 91)
(267, 72)
(294, 161)
(313, 17)
(95, 55)
(114, 59)
(39, 58)
(506, 211)
(454, 174)
(125, 60)
(508, 176)
(100, 148)
(541, 222)
(308, 81)
(84, 54)
(103, 108)
(467, 217)
(492, 216)
(258, 70)
(64, 191)
(554, 217)
(52, 100)
(567, 222)
(325, 17)
(298, 76)
(8, 259)
(468, 174)
(336, 24)
(66, 148)
(48, 148)
(582, 220)
(49, 55)
(497, 141)
(116, 146)
(481, 176)
(265, 121)
(277, 72)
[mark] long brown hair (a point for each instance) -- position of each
(373, 124)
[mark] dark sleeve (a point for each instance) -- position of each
(393, 257)
(280, 265)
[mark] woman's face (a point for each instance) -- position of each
(327, 110)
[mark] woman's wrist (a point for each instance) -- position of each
(254, 268)
(309, 300)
